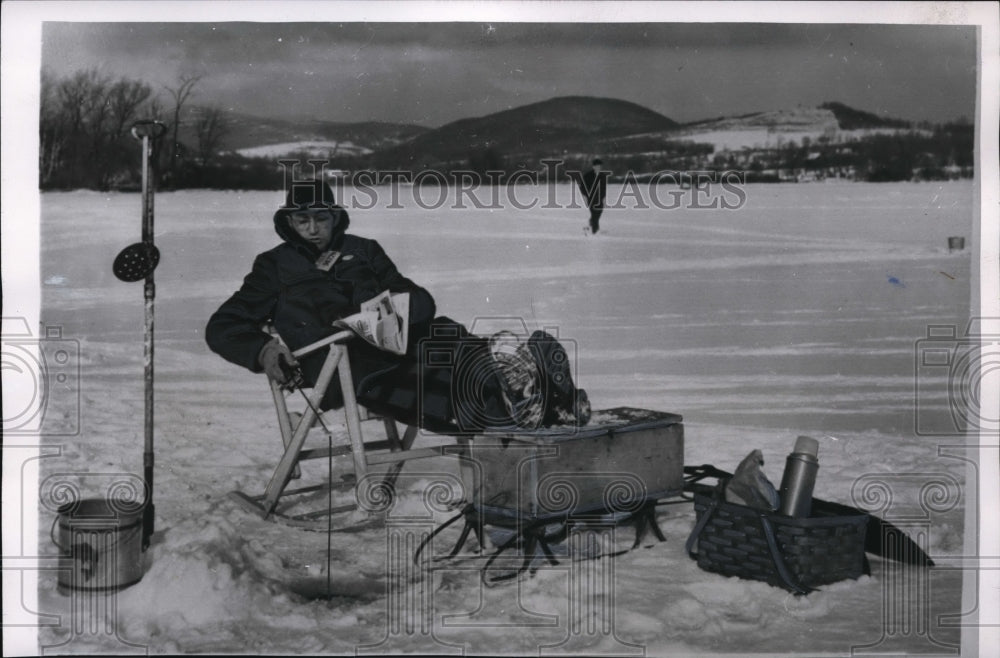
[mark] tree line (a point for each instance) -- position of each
(929, 153)
(85, 126)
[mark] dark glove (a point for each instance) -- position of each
(277, 361)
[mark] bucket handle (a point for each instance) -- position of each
(52, 536)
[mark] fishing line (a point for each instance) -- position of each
(295, 382)
(329, 508)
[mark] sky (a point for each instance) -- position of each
(432, 73)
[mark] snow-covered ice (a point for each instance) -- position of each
(802, 312)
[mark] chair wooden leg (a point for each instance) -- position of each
(353, 419)
(284, 421)
(400, 446)
(283, 472)
(409, 435)
(392, 434)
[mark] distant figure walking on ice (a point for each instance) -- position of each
(594, 186)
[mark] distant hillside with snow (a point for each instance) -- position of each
(253, 136)
(572, 127)
(312, 148)
(833, 122)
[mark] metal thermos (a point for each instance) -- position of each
(800, 478)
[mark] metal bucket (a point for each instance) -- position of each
(956, 243)
(100, 544)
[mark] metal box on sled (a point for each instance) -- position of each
(623, 458)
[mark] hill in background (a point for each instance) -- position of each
(797, 144)
(253, 136)
(849, 118)
(572, 128)
(553, 127)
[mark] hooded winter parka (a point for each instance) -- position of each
(301, 301)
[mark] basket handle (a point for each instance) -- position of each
(779, 562)
(772, 544)
(702, 522)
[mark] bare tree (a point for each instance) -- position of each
(79, 95)
(180, 94)
(123, 102)
(72, 116)
(52, 131)
(210, 129)
(84, 124)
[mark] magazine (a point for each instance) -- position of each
(383, 321)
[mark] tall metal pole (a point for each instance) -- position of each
(134, 262)
(149, 293)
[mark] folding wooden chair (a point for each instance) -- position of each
(295, 429)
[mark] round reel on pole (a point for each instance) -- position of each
(136, 261)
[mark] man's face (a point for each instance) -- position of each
(597, 168)
(316, 226)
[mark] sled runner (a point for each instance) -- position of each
(521, 542)
(277, 499)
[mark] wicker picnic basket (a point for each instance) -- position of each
(797, 554)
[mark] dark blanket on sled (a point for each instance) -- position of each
(882, 537)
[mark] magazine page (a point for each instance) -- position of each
(383, 321)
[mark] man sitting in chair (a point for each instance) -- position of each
(320, 274)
